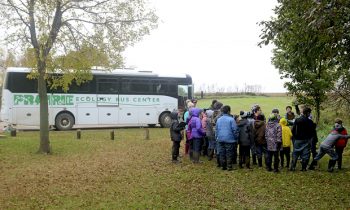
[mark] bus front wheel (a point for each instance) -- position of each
(165, 120)
(64, 121)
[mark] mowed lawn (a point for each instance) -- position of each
(133, 173)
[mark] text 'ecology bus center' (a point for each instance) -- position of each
(71, 100)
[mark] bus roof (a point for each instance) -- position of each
(126, 72)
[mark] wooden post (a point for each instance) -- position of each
(146, 134)
(112, 135)
(78, 134)
(13, 132)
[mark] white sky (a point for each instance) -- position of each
(213, 41)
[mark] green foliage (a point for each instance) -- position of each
(311, 41)
(10, 60)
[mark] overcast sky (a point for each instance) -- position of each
(213, 41)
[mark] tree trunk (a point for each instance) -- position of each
(318, 111)
(44, 110)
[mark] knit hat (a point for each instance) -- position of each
(243, 114)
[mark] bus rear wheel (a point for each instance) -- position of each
(165, 120)
(64, 121)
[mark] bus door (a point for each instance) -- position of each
(183, 95)
(107, 100)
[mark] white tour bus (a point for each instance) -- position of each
(111, 98)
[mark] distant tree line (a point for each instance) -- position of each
(215, 88)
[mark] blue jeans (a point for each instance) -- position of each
(212, 143)
(326, 150)
(261, 149)
(226, 153)
(196, 145)
(302, 149)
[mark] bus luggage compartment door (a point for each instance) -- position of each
(108, 111)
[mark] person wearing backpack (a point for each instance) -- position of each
(259, 139)
(175, 135)
(303, 131)
(245, 140)
(273, 135)
(210, 135)
(341, 143)
(286, 142)
(327, 147)
(197, 134)
(187, 118)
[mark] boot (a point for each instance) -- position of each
(247, 162)
(268, 167)
(331, 165)
(187, 148)
(275, 165)
(210, 154)
(191, 155)
(339, 165)
(229, 164)
(224, 165)
(339, 161)
(254, 159)
(312, 165)
(240, 161)
(288, 161)
(195, 157)
(293, 164)
(218, 162)
(260, 162)
(304, 165)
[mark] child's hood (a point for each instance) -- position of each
(242, 123)
(209, 113)
(195, 112)
(259, 123)
(174, 115)
(283, 121)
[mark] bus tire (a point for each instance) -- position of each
(64, 121)
(165, 120)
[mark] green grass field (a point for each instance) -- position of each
(132, 173)
(245, 103)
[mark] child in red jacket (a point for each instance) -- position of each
(341, 143)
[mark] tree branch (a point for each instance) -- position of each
(32, 28)
(55, 28)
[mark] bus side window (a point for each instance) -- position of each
(172, 89)
(19, 83)
(140, 86)
(159, 87)
(125, 87)
(107, 86)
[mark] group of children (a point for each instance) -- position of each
(216, 132)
